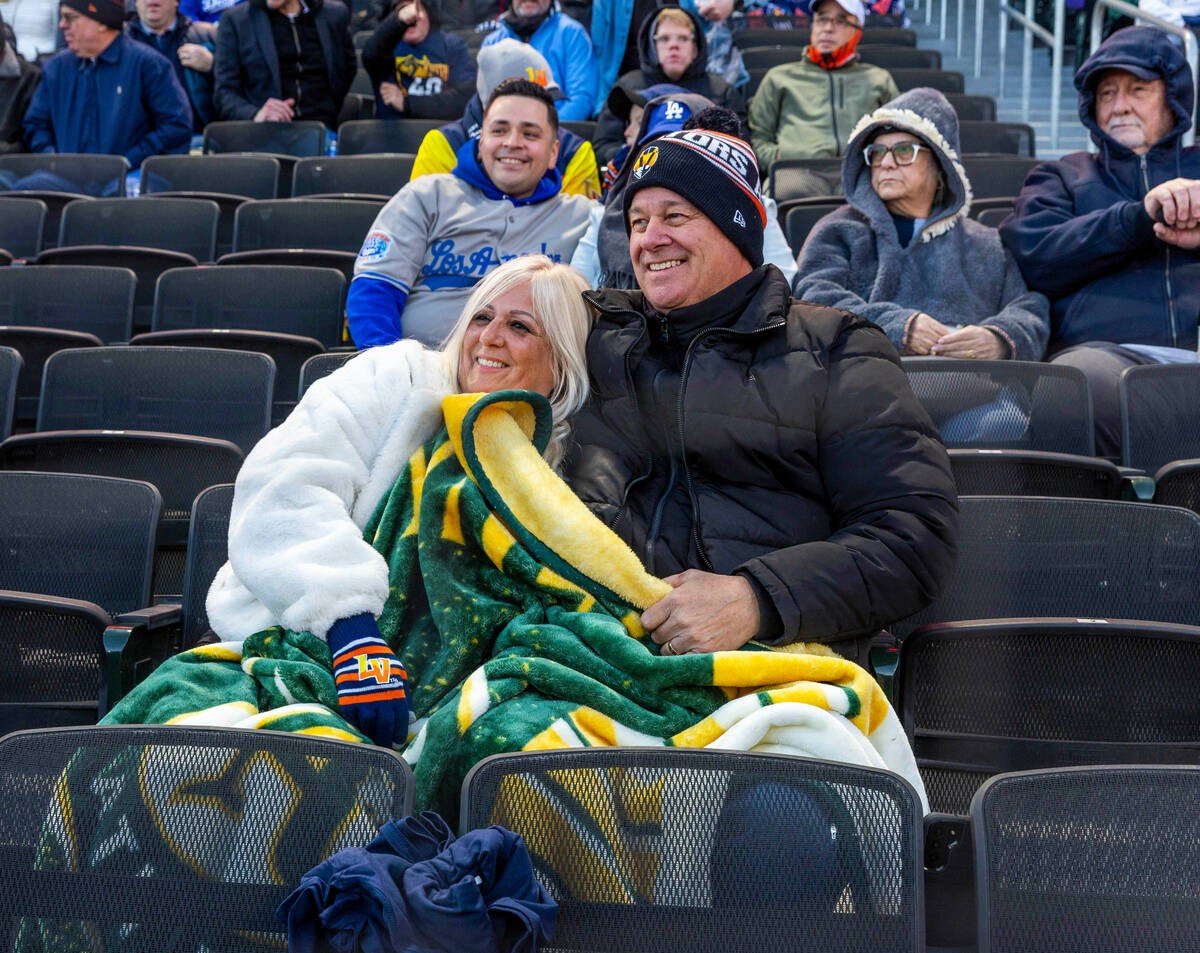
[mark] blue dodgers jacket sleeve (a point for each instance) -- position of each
(373, 310)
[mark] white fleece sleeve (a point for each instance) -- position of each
(296, 551)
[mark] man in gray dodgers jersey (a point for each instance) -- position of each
(441, 233)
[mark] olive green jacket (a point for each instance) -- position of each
(802, 111)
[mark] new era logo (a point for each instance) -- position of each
(737, 218)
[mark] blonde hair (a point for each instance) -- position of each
(556, 291)
(674, 15)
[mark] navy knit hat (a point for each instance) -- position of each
(109, 13)
(716, 173)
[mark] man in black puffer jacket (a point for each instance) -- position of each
(765, 455)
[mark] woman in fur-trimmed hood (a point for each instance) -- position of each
(903, 251)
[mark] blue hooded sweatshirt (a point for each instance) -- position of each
(1081, 234)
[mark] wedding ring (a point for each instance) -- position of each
(668, 649)
(971, 353)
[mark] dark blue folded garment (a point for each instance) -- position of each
(416, 889)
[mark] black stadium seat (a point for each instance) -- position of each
(805, 178)
(177, 225)
(947, 81)
(802, 218)
(899, 57)
(77, 552)
(10, 371)
(1158, 414)
(995, 176)
(370, 136)
(321, 366)
(22, 225)
(1005, 138)
(270, 138)
(370, 177)
(48, 308)
(977, 108)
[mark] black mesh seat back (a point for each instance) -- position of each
(22, 223)
(85, 174)
(322, 365)
(219, 826)
(368, 136)
(1008, 138)
(1158, 416)
(54, 661)
(1005, 405)
(337, 225)
(970, 107)
(767, 55)
(208, 549)
(981, 698)
(205, 392)
(802, 178)
(284, 138)
(943, 80)
(10, 371)
(802, 218)
(35, 345)
(183, 225)
(250, 176)
(179, 466)
(1031, 473)
(80, 537)
(890, 35)
(89, 298)
(997, 176)
(666, 851)
(1178, 484)
(1084, 860)
(891, 56)
(366, 174)
(289, 300)
(1030, 556)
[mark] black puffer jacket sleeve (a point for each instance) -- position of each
(891, 498)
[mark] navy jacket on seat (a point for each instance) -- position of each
(1081, 235)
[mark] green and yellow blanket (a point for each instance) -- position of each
(516, 613)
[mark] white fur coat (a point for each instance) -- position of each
(297, 557)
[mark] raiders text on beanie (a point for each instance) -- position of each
(716, 173)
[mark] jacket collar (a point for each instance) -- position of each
(470, 171)
(766, 288)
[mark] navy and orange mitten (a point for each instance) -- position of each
(371, 683)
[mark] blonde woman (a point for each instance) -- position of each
(297, 556)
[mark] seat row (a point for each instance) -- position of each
(680, 850)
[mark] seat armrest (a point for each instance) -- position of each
(135, 644)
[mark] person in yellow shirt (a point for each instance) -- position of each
(500, 61)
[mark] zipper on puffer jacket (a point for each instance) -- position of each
(623, 508)
(1166, 262)
(687, 473)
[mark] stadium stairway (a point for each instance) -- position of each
(1071, 136)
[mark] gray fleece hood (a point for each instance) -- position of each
(928, 115)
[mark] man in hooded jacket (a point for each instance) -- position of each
(1113, 239)
(666, 57)
(18, 80)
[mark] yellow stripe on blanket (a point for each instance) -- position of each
(542, 502)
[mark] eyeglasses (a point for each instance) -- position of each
(905, 153)
(665, 39)
(69, 18)
(834, 21)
